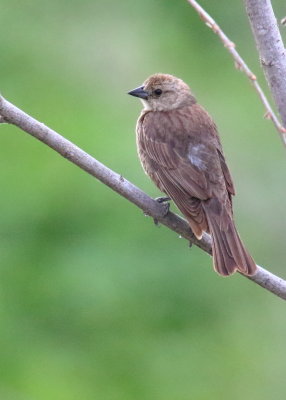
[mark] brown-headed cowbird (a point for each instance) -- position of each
(179, 148)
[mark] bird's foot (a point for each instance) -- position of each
(163, 199)
(166, 202)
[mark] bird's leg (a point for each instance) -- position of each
(166, 202)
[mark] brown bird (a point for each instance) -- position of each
(180, 149)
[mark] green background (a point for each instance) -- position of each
(95, 301)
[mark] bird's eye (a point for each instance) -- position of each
(158, 92)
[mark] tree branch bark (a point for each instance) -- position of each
(270, 48)
(70, 151)
(241, 64)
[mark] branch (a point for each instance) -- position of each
(270, 48)
(241, 65)
(67, 149)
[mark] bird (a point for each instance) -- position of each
(180, 150)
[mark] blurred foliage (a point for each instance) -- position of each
(95, 301)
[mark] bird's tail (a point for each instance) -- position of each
(229, 253)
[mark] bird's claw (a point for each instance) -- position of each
(165, 201)
(156, 222)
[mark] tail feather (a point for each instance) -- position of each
(224, 263)
(229, 253)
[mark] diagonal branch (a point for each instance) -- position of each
(241, 65)
(67, 149)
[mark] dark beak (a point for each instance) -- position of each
(139, 92)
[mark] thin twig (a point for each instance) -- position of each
(241, 65)
(64, 147)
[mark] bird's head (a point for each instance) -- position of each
(163, 92)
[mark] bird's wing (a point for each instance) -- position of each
(186, 163)
(226, 174)
(184, 153)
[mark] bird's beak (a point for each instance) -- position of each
(139, 92)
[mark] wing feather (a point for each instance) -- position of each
(185, 160)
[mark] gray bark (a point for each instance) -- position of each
(270, 48)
